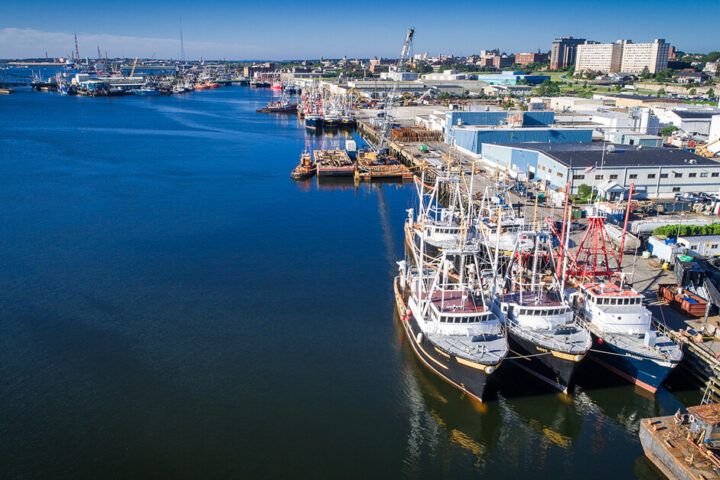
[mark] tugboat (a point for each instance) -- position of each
(447, 322)
(305, 169)
(538, 320)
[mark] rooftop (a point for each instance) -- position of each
(579, 155)
(696, 113)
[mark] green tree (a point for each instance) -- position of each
(645, 73)
(548, 88)
(712, 57)
(618, 88)
(661, 92)
(667, 131)
(584, 191)
(711, 93)
(692, 91)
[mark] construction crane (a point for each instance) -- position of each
(386, 125)
(133, 69)
(77, 50)
(706, 151)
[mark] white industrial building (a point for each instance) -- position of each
(703, 245)
(693, 121)
(655, 172)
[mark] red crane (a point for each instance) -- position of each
(594, 257)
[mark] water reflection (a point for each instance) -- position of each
(440, 415)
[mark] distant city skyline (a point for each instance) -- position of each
(234, 31)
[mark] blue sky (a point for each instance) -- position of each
(281, 29)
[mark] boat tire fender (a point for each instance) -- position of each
(419, 338)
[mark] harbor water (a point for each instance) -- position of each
(174, 306)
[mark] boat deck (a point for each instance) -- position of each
(532, 299)
(452, 301)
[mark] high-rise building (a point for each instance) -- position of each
(638, 56)
(622, 56)
(598, 57)
(563, 50)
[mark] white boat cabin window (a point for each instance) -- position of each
(458, 319)
(619, 301)
(542, 311)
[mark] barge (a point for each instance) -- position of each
(684, 446)
(333, 163)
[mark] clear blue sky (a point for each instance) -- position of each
(281, 29)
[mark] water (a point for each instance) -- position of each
(173, 305)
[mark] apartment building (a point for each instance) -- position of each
(598, 57)
(622, 56)
(638, 56)
(562, 53)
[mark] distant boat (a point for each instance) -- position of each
(145, 91)
(313, 120)
(276, 86)
(305, 169)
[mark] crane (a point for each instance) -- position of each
(133, 69)
(705, 150)
(77, 50)
(386, 125)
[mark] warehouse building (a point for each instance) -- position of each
(473, 139)
(611, 168)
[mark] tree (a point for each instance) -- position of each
(692, 91)
(661, 92)
(584, 191)
(667, 131)
(548, 88)
(711, 93)
(712, 57)
(645, 73)
(618, 88)
(422, 67)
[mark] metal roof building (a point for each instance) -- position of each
(655, 172)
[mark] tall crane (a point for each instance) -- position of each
(386, 126)
(77, 50)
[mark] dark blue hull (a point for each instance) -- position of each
(642, 371)
(552, 369)
(313, 122)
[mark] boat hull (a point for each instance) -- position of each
(643, 372)
(557, 369)
(470, 380)
(347, 171)
(313, 123)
